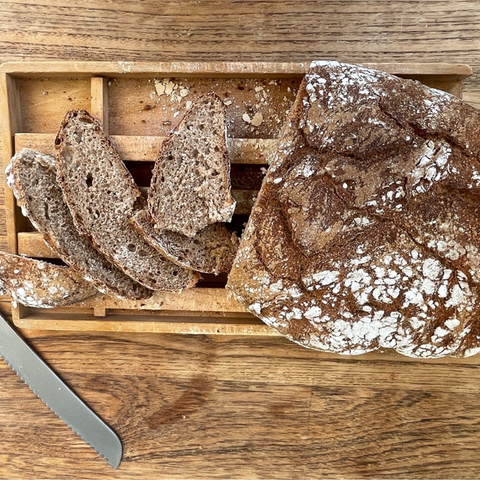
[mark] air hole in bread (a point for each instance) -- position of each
(89, 179)
(194, 153)
(78, 136)
(86, 120)
(131, 247)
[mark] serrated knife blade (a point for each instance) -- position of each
(48, 386)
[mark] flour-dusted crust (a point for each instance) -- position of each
(40, 284)
(190, 187)
(33, 179)
(365, 234)
(102, 196)
(211, 250)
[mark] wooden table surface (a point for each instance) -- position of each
(238, 407)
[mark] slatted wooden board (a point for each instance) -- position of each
(138, 104)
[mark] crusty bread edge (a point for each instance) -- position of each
(78, 295)
(156, 246)
(218, 265)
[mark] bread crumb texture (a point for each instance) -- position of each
(365, 234)
(211, 250)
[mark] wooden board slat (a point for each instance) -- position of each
(145, 324)
(11, 116)
(195, 300)
(32, 245)
(206, 300)
(219, 69)
(99, 101)
(254, 151)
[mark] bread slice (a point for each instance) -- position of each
(34, 283)
(211, 250)
(365, 233)
(102, 196)
(190, 187)
(32, 177)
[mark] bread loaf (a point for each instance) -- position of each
(190, 187)
(211, 250)
(365, 234)
(32, 177)
(34, 283)
(102, 196)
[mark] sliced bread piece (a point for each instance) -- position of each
(211, 250)
(34, 283)
(190, 187)
(33, 178)
(102, 196)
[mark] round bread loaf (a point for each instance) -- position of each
(365, 234)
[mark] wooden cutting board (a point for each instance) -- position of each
(138, 104)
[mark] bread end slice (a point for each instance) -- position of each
(39, 284)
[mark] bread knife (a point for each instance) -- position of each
(48, 386)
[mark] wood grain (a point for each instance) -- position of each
(99, 101)
(260, 410)
(213, 69)
(10, 112)
(242, 407)
(291, 30)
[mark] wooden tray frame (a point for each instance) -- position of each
(196, 311)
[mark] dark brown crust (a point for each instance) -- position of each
(40, 284)
(228, 203)
(127, 178)
(135, 292)
(341, 252)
